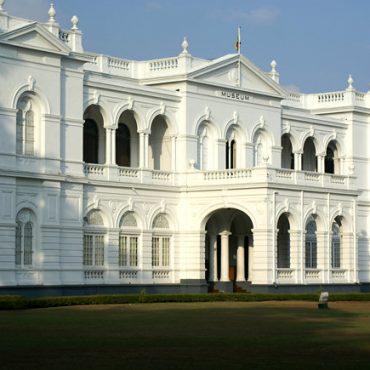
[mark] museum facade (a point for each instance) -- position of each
(173, 175)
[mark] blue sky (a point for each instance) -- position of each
(316, 43)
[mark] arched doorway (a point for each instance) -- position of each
(228, 250)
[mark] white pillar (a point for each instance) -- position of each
(321, 163)
(146, 150)
(173, 153)
(240, 260)
(108, 146)
(225, 256)
(141, 149)
(114, 159)
(250, 262)
(298, 161)
(213, 257)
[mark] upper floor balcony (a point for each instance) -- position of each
(258, 176)
(349, 97)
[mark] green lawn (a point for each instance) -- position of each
(215, 335)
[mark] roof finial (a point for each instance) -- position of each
(74, 21)
(52, 13)
(274, 74)
(350, 83)
(185, 46)
(1, 5)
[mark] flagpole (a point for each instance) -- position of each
(239, 52)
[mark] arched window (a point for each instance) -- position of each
(311, 244)
(128, 241)
(161, 242)
(287, 155)
(331, 159)
(123, 146)
(336, 245)
(160, 145)
(258, 153)
(283, 242)
(231, 154)
(205, 147)
(91, 142)
(93, 249)
(24, 238)
(25, 135)
(309, 159)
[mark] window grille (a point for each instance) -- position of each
(311, 244)
(18, 244)
(335, 246)
(24, 239)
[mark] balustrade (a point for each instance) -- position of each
(94, 274)
(161, 274)
(128, 274)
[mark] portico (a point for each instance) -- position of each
(228, 241)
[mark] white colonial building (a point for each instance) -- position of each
(176, 174)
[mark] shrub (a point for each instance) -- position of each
(18, 302)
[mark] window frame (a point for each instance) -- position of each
(21, 254)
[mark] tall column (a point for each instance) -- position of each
(146, 150)
(108, 146)
(297, 262)
(298, 161)
(225, 256)
(213, 257)
(141, 149)
(113, 151)
(321, 163)
(173, 153)
(240, 259)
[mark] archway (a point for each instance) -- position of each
(332, 164)
(93, 136)
(127, 140)
(309, 159)
(228, 249)
(160, 151)
(287, 155)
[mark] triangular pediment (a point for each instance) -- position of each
(226, 71)
(35, 36)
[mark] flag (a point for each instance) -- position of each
(238, 42)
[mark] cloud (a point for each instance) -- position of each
(260, 16)
(29, 9)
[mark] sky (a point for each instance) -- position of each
(316, 43)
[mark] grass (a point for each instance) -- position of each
(208, 335)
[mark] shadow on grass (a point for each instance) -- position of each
(185, 336)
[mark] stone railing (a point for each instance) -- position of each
(285, 275)
(164, 176)
(227, 174)
(312, 176)
(163, 64)
(334, 99)
(284, 174)
(109, 65)
(230, 177)
(312, 274)
(161, 274)
(128, 172)
(94, 169)
(128, 274)
(339, 275)
(330, 97)
(94, 274)
(118, 63)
